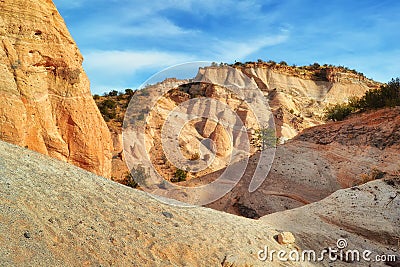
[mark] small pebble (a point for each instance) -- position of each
(167, 214)
(27, 234)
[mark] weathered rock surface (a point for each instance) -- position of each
(207, 141)
(380, 129)
(54, 214)
(296, 96)
(366, 217)
(45, 101)
(318, 162)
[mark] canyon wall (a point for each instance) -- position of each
(297, 96)
(45, 100)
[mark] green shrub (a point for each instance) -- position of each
(339, 112)
(266, 137)
(113, 93)
(144, 92)
(180, 176)
(140, 117)
(387, 95)
(129, 92)
(108, 103)
(315, 65)
(107, 109)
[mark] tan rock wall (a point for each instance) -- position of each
(45, 100)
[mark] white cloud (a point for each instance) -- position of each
(155, 26)
(127, 62)
(126, 69)
(229, 51)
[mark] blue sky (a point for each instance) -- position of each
(124, 42)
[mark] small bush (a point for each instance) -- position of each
(113, 93)
(107, 109)
(266, 137)
(144, 92)
(387, 95)
(180, 176)
(315, 65)
(140, 117)
(108, 103)
(130, 181)
(339, 112)
(129, 92)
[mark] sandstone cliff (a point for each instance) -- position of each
(45, 101)
(54, 214)
(318, 162)
(297, 95)
(213, 125)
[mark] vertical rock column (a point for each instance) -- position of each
(45, 99)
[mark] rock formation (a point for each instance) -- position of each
(297, 95)
(194, 135)
(363, 218)
(45, 101)
(55, 214)
(318, 162)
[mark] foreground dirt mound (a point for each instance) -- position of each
(45, 101)
(54, 214)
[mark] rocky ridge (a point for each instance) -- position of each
(297, 96)
(45, 101)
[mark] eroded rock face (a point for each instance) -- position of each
(205, 142)
(318, 162)
(45, 100)
(365, 217)
(297, 97)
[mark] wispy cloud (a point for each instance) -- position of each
(229, 51)
(119, 69)
(127, 62)
(151, 27)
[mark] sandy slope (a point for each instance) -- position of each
(74, 218)
(55, 214)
